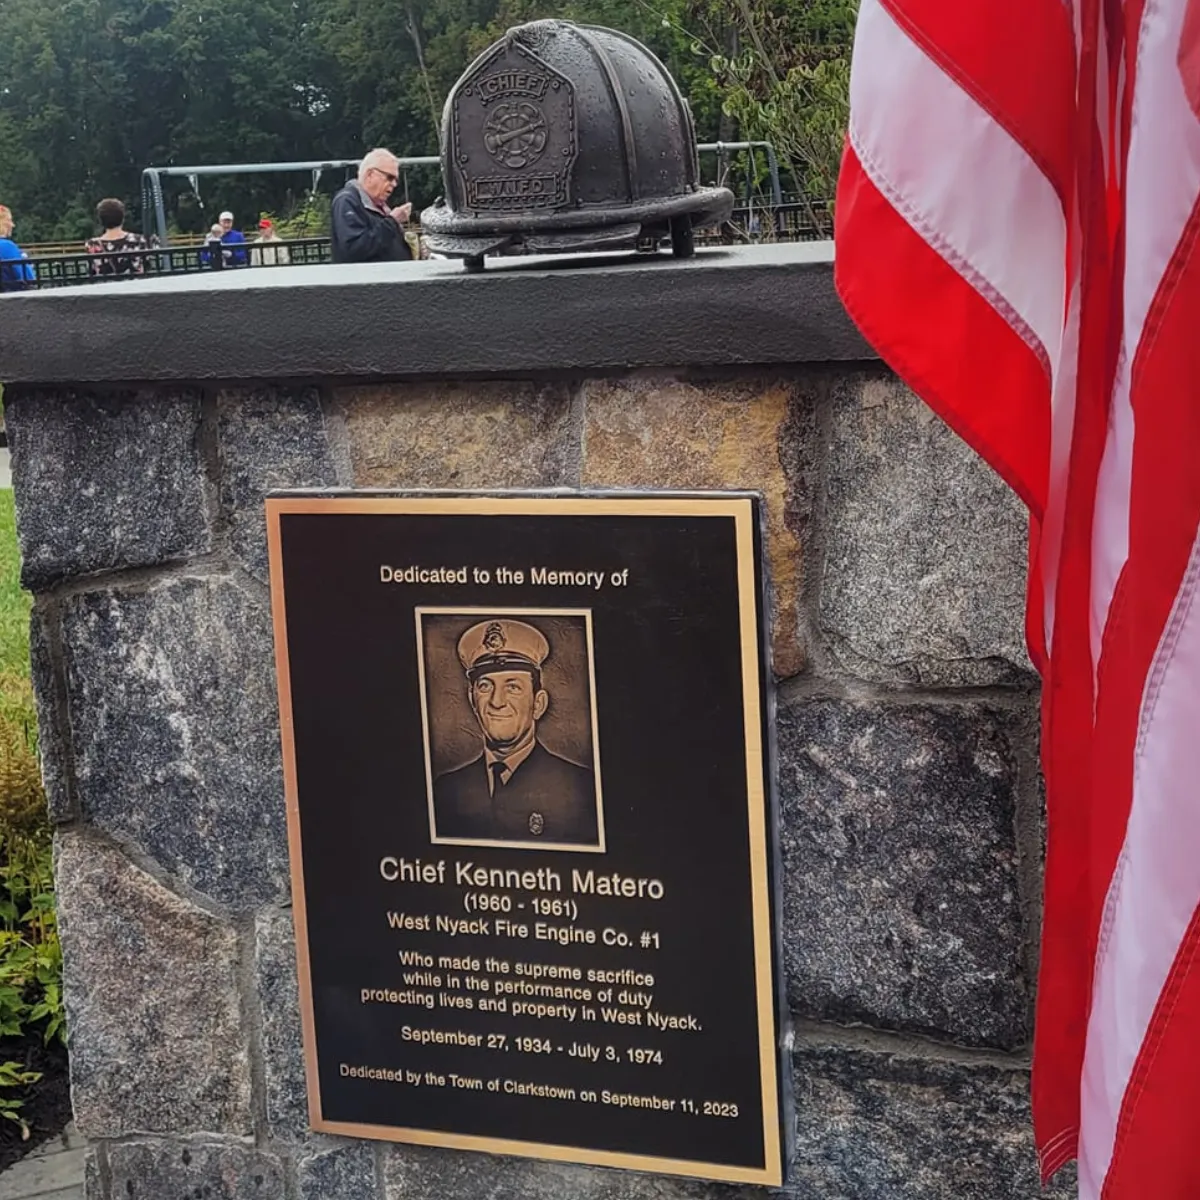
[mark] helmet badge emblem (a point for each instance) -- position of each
(515, 134)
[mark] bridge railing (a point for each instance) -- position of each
(793, 220)
(57, 249)
(68, 270)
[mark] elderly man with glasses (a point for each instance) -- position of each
(365, 229)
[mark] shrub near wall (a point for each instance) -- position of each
(34, 1102)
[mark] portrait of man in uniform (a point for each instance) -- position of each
(523, 718)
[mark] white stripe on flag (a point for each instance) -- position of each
(1062, 429)
(1004, 231)
(1163, 183)
(1156, 888)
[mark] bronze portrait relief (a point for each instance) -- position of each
(511, 744)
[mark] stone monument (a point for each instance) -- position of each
(905, 720)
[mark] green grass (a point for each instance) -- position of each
(16, 693)
(14, 603)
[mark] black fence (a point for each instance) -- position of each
(795, 220)
(68, 270)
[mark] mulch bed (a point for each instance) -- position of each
(47, 1105)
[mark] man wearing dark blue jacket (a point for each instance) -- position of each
(365, 229)
(232, 237)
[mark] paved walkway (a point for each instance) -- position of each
(54, 1171)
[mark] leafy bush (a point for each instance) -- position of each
(13, 1075)
(308, 219)
(30, 954)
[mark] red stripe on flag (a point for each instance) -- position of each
(1189, 55)
(1164, 517)
(1064, 984)
(1164, 513)
(1064, 976)
(1017, 72)
(982, 379)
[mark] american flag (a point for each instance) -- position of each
(1017, 224)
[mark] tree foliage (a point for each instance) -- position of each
(93, 91)
(789, 82)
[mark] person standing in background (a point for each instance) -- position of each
(365, 229)
(214, 253)
(232, 237)
(113, 245)
(264, 254)
(16, 272)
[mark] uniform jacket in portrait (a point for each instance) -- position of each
(546, 799)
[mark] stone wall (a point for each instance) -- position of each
(906, 731)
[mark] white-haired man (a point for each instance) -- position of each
(365, 229)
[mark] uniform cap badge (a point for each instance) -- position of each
(502, 645)
(537, 823)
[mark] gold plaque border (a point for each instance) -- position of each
(741, 510)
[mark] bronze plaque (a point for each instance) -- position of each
(512, 133)
(530, 821)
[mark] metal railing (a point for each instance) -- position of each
(46, 249)
(152, 179)
(69, 270)
(795, 220)
(723, 149)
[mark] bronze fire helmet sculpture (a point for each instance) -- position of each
(564, 138)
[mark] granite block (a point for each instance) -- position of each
(173, 709)
(345, 1172)
(462, 435)
(268, 438)
(162, 1170)
(157, 1040)
(925, 547)
(745, 434)
(106, 480)
(901, 904)
(279, 1006)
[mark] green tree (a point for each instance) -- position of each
(93, 91)
(789, 82)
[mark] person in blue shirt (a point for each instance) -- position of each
(16, 272)
(214, 253)
(232, 237)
